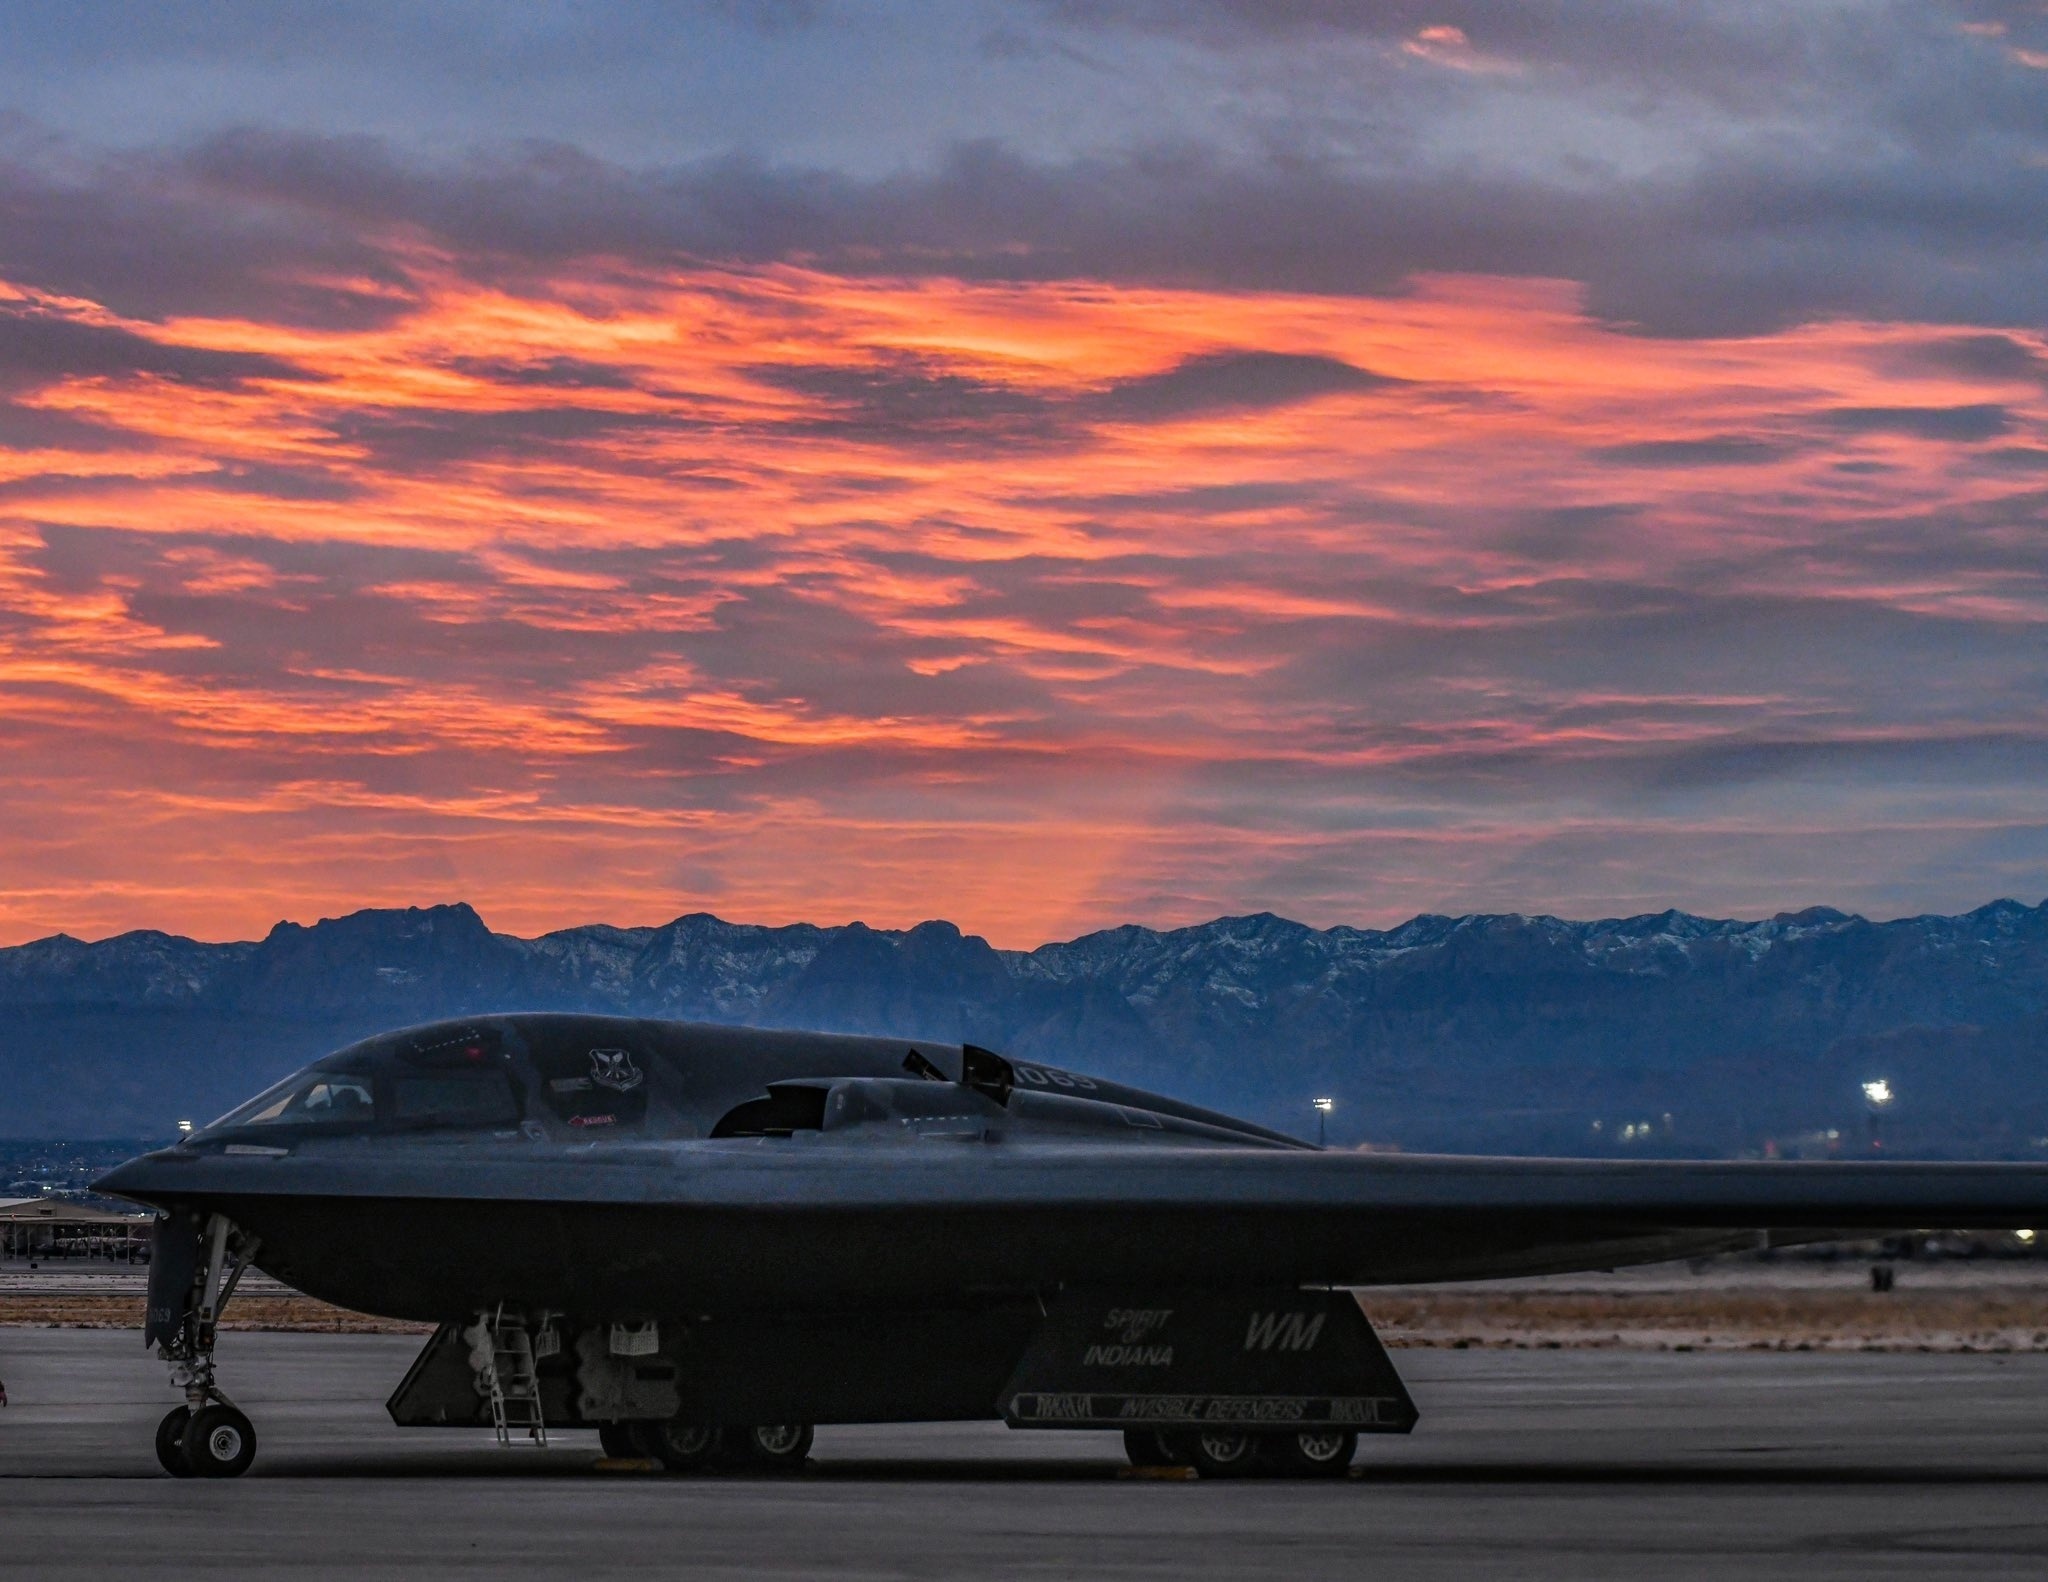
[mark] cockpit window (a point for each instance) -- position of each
(318, 1098)
(455, 1098)
(350, 1101)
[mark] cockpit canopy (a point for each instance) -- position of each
(461, 1081)
(560, 1076)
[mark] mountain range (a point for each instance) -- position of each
(1658, 1034)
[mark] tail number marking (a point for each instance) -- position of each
(1283, 1331)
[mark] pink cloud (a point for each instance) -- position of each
(1039, 605)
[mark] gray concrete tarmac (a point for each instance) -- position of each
(1582, 1465)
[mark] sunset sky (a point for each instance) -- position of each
(1040, 463)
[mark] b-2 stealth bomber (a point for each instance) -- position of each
(702, 1241)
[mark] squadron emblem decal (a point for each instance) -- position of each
(614, 1069)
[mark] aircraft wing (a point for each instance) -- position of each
(1377, 1218)
(1359, 1219)
(1062, 1213)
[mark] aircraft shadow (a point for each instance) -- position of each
(980, 1470)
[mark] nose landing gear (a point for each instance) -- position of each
(218, 1442)
(193, 1272)
(170, 1442)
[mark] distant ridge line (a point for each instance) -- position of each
(1807, 916)
(1493, 1031)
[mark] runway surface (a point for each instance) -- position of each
(1578, 1465)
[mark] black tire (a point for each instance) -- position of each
(219, 1442)
(618, 1442)
(1218, 1452)
(1311, 1453)
(1147, 1447)
(679, 1447)
(769, 1447)
(170, 1442)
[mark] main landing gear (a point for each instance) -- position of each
(208, 1436)
(1238, 1453)
(693, 1447)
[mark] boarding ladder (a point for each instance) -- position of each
(513, 1381)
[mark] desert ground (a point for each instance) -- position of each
(1787, 1302)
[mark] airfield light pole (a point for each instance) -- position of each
(1323, 1108)
(1877, 1098)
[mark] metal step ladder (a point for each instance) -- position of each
(514, 1381)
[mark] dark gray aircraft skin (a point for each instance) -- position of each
(857, 1228)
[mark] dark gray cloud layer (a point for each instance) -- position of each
(1726, 450)
(425, 440)
(256, 219)
(1236, 381)
(1977, 420)
(39, 347)
(903, 401)
(1720, 168)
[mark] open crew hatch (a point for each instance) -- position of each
(929, 1105)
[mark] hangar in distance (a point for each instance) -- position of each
(703, 1241)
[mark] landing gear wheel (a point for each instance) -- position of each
(1217, 1452)
(680, 1447)
(619, 1443)
(1312, 1453)
(1147, 1447)
(170, 1442)
(219, 1443)
(771, 1447)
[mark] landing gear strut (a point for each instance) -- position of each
(207, 1437)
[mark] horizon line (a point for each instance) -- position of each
(1781, 916)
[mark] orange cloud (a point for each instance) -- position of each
(1036, 605)
(1444, 45)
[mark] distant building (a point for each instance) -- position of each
(55, 1227)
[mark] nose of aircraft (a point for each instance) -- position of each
(142, 1179)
